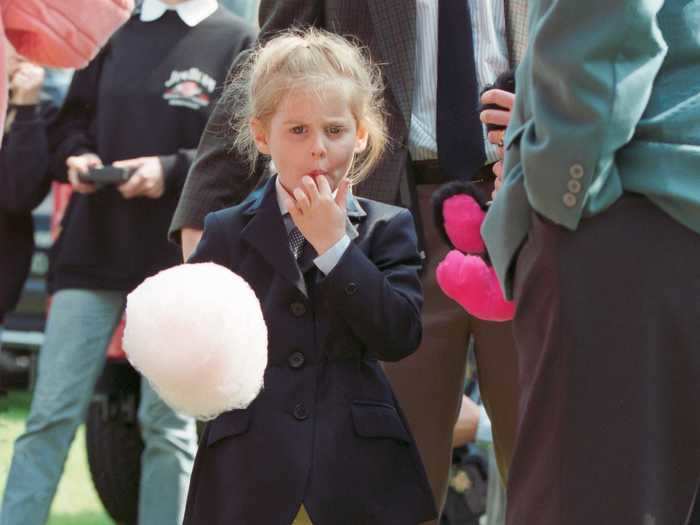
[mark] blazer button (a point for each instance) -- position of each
(300, 412)
(350, 288)
(296, 359)
(297, 309)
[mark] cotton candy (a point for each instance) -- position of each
(197, 333)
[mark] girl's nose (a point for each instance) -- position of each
(318, 148)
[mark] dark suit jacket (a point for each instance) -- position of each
(219, 177)
(326, 430)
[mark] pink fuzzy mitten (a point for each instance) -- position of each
(465, 274)
(468, 280)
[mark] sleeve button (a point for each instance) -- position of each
(574, 186)
(576, 171)
(569, 200)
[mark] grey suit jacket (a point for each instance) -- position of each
(219, 177)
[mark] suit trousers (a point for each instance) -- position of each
(609, 346)
(430, 383)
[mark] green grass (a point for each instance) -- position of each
(76, 501)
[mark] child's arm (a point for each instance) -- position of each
(380, 299)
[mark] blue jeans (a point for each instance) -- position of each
(78, 330)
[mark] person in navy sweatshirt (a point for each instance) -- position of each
(142, 103)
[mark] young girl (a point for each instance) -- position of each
(337, 278)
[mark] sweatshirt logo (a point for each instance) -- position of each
(190, 88)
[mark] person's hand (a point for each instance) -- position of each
(497, 117)
(467, 422)
(319, 216)
(25, 84)
(146, 181)
(498, 181)
(80, 165)
(189, 238)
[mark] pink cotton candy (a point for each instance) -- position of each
(469, 281)
(196, 331)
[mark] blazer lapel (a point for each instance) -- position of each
(394, 24)
(265, 233)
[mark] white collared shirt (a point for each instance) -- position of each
(327, 260)
(191, 12)
(490, 58)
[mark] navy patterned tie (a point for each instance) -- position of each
(296, 242)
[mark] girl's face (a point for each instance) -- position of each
(311, 135)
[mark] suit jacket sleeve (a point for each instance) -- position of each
(220, 177)
(381, 298)
(212, 246)
(582, 88)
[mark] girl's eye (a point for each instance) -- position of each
(335, 130)
(297, 130)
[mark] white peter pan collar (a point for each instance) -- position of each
(192, 12)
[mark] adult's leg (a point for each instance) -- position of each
(170, 444)
(429, 384)
(497, 369)
(79, 327)
(607, 334)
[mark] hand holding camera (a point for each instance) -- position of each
(140, 177)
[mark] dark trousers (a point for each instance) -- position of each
(429, 384)
(608, 337)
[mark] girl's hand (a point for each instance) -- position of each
(319, 216)
(26, 83)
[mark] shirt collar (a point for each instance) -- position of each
(191, 12)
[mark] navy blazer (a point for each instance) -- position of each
(326, 430)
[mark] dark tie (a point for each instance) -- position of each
(459, 132)
(296, 242)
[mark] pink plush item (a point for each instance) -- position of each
(463, 217)
(469, 281)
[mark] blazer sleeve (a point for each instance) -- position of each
(583, 86)
(380, 299)
(212, 246)
(62, 33)
(220, 177)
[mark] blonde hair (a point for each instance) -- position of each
(303, 59)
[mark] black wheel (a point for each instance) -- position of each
(113, 441)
